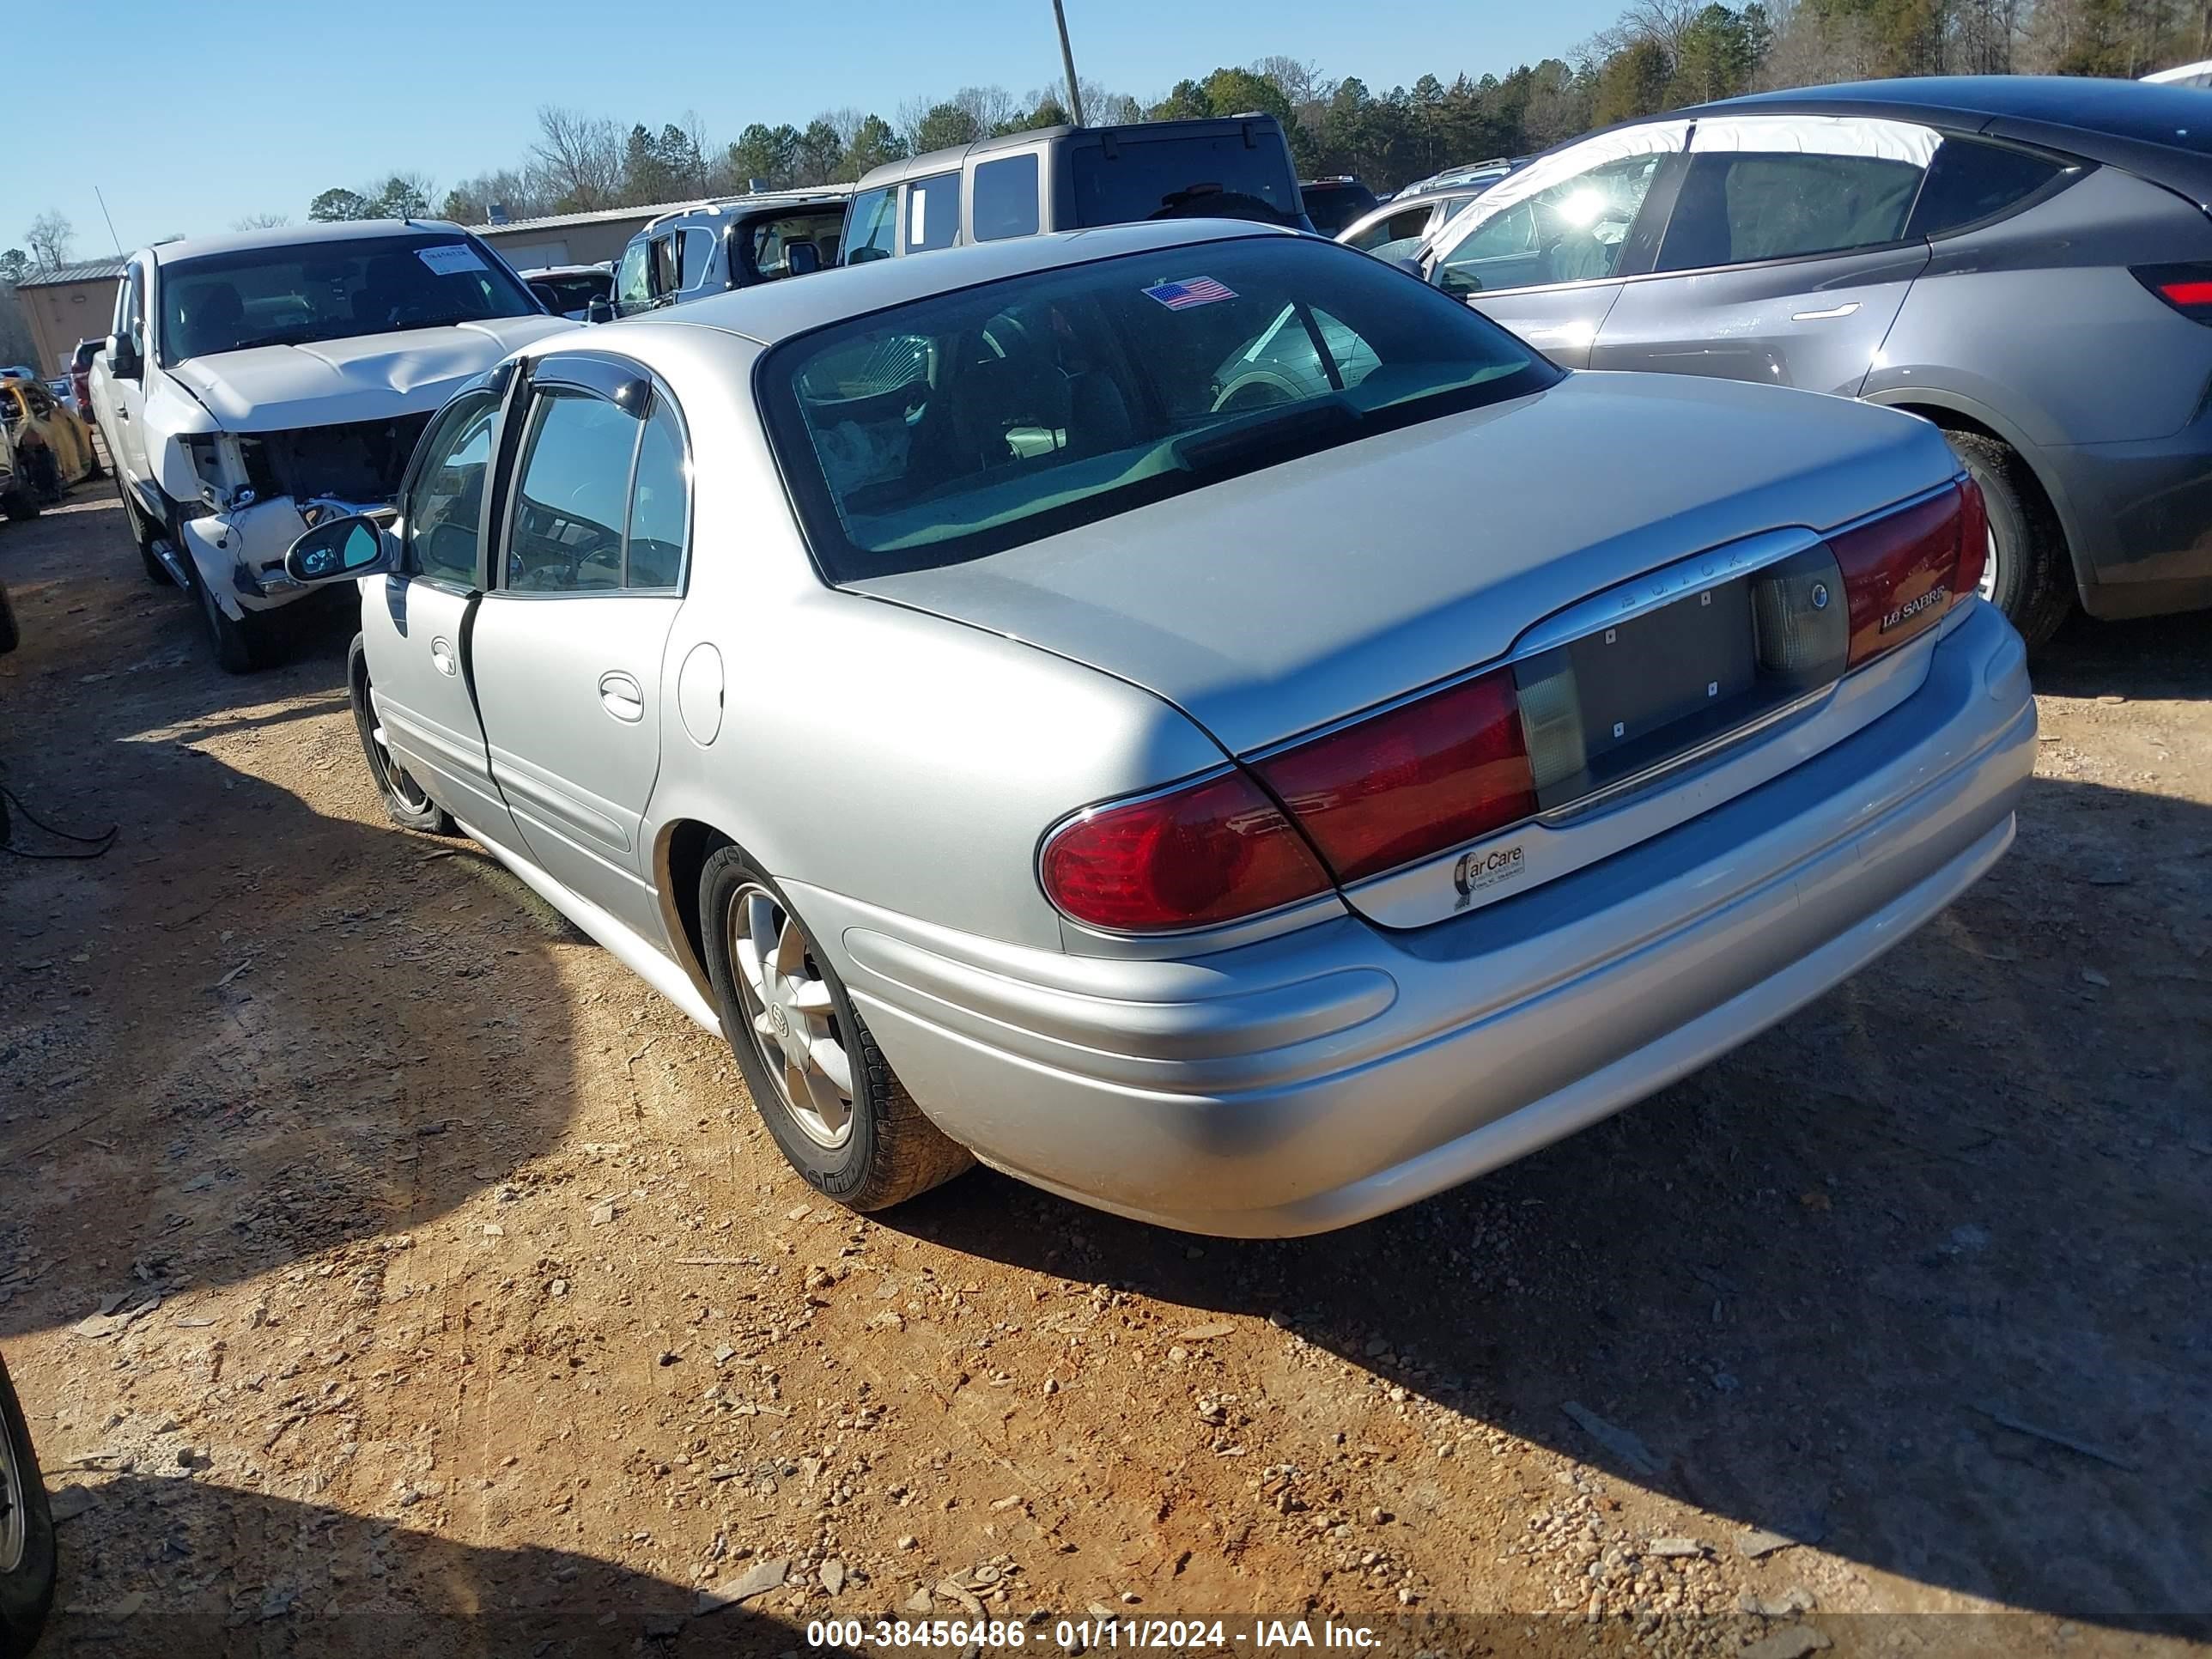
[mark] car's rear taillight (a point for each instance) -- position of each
(2187, 288)
(1211, 851)
(1904, 570)
(1426, 775)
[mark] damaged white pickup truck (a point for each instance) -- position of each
(255, 384)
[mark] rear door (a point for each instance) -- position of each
(1786, 255)
(415, 622)
(1545, 251)
(567, 649)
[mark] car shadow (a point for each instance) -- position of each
(2155, 657)
(152, 1568)
(1916, 1275)
(265, 1022)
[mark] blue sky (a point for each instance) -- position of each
(254, 106)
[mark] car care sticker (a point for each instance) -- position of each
(1191, 291)
(450, 258)
(1485, 867)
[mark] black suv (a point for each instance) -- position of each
(717, 246)
(1069, 178)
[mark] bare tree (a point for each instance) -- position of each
(987, 105)
(261, 221)
(845, 122)
(694, 128)
(583, 156)
(1302, 83)
(48, 240)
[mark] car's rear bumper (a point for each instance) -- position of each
(1318, 1079)
(2140, 515)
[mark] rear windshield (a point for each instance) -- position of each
(1213, 176)
(330, 291)
(971, 422)
(767, 242)
(1332, 206)
(575, 290)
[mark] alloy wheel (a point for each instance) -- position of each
(1987, 587)
(405, 790)
(791, 1015)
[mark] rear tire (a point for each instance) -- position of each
(20, 503)
(27, 1532)
(410, 807)
(888, 1151)
(2030, 575)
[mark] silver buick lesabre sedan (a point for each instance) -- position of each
(1185, 714)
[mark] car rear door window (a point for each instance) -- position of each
(874, 222)
(932, 213)
(1006, 202)
(659, 503)
(567, 530)
(1763, 188)
(1969, 181)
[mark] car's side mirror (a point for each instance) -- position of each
(123, 357)
(802, 259)
(599, 311)
(1411, 266)
(341, 548)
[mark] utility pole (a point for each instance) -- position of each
(1067, 62)
(102, 200)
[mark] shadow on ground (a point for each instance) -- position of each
(152, 1569)
(270, 1021)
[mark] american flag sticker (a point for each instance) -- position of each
(1191, 291)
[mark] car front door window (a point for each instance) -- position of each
(874, 220)
(444, 508)
(570, 506)
(631, 290)
(1573, 231)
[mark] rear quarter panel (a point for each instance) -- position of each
(2036, 319)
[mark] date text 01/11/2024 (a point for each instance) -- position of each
(1078, 1636)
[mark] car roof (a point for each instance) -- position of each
(1134, 132)
(349, 230)
(2174, 117)
(740, 209)
(770, 312)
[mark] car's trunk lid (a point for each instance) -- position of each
(1272, 604)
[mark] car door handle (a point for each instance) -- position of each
(442, 658)
(622, 696)
(1842, 310)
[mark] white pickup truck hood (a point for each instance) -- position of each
(369, 377)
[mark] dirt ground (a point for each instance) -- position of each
(386, 1271)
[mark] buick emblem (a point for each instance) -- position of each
(1820, 596)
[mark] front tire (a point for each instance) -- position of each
(241, 643)
(27, 1532)
(2030, 574)
(156, 572)
(20, 503)
(410, 807)
(841, 1116)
